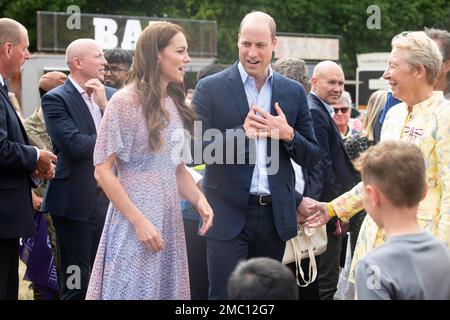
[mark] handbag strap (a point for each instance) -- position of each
(312, 269)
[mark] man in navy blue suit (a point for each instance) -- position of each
(335, 167)
(72, 113)
(255, 120)
(20, 163)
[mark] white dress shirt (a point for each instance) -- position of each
(260, 180)
(94, 109)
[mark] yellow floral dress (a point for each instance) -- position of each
(427, 126)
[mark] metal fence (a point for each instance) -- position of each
(56, 30)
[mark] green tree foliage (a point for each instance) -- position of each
(345, 18)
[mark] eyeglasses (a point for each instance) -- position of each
(342, 110)
(114, 70)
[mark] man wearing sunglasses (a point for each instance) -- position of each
(335, 167)
(341, 118)
(117, 70)
(346, 117)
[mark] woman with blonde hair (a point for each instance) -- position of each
(423, 118)
(142, 252)
(376, 101)
(360, 142)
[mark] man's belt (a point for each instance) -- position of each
(262, 200)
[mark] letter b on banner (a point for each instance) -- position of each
(105, 30)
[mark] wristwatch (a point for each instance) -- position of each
(290, 143)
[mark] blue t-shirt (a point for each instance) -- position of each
(390, 102)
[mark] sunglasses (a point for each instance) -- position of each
(342, 110)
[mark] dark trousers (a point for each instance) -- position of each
(311, 292)
(196, 254)
(77, 243)
(9, 269)
(258, 238)
(328, 273)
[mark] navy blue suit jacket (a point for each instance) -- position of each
(72, 193)
(221, 103)
(17, 162)
(335, 167)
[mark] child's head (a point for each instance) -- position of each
(393, 172)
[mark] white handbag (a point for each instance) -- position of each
(308, 243)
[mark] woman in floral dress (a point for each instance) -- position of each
(142, 252)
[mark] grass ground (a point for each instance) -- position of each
(25, 293)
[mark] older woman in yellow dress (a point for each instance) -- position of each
(422, 118)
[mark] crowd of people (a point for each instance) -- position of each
(143, 190)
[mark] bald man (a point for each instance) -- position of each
(251, 188)
(72, 114)
(18, 162)
(335, 168)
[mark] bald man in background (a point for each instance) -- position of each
(335, 167)
(72, 114)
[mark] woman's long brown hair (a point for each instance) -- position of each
(145, 74)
